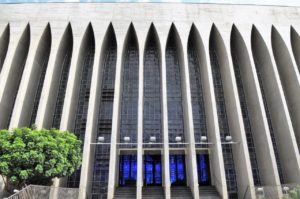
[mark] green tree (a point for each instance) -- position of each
(32, 156)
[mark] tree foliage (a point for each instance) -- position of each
(31, 156)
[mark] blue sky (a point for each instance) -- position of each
(257, 2)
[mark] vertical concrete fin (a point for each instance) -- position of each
(263, 163)
(87, 43)
(280, 126)
(11, 81)
(51, 105)
(4, 41)
(27, 101)
(295, 43)
(98, 119)
(227, 100)
(78, 91)
(215, 151)
(290, 79)
(162, 31)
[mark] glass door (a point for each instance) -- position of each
(203, 169)
(177, 170)
(127, 170)
(152, 170)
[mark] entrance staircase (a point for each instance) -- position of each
(126, 192)
(153, 192)
(181, 192)
(208, 192)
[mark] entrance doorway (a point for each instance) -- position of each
(177, 170)
(152, 170)
(203, 169)
(127, 170)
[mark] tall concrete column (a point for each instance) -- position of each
(241, 41)
(288, 72)
(141, 30)
(15, 35)
(120, 30)
(4, 41)
(236, 126)
(49, 94)
(68, 114)
(282, 125)
(23, 108)
(216, 155)
(184, 30)
(86, 175)
(162, 31)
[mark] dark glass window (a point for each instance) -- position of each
(247, 124)
(128, 127)
(102, 154)
(223, 125)
(199, 117)
(152, 111)
(62, 89)
(83, 101)
(273, 137)
(175, 110)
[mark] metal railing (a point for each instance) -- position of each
(45, 192)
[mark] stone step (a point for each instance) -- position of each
(208, 192)
(153, 193)
(181, 192)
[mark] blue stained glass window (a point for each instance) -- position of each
(203, 169)
(152, 166)
(177, 170)
(128, 170)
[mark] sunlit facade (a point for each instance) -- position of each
(170, 100)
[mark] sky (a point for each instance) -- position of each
(255, 2)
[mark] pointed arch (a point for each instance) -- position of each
(174, 65)
(242, 70)
(82, 86)
(60, 78)
(279, 126)
(4, 41)
(220, 63)
(130, 82)
(39, 68)
(104, 104)
(14, 77)
(152, 125)
(290, 78)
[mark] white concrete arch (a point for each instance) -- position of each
(260, 133)
(15, 67)
(28, 100)
(59, 63)
(290, 78)
(4, 41)
(214, 153)
(151, 36)
(220, 48)
(107, 40)
(282, 126)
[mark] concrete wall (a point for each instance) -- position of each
(71, 28)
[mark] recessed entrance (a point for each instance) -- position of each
(127, 170)
(152, 170)
(177, 170)
(203, 169)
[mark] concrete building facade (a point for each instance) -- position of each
(167, 98)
